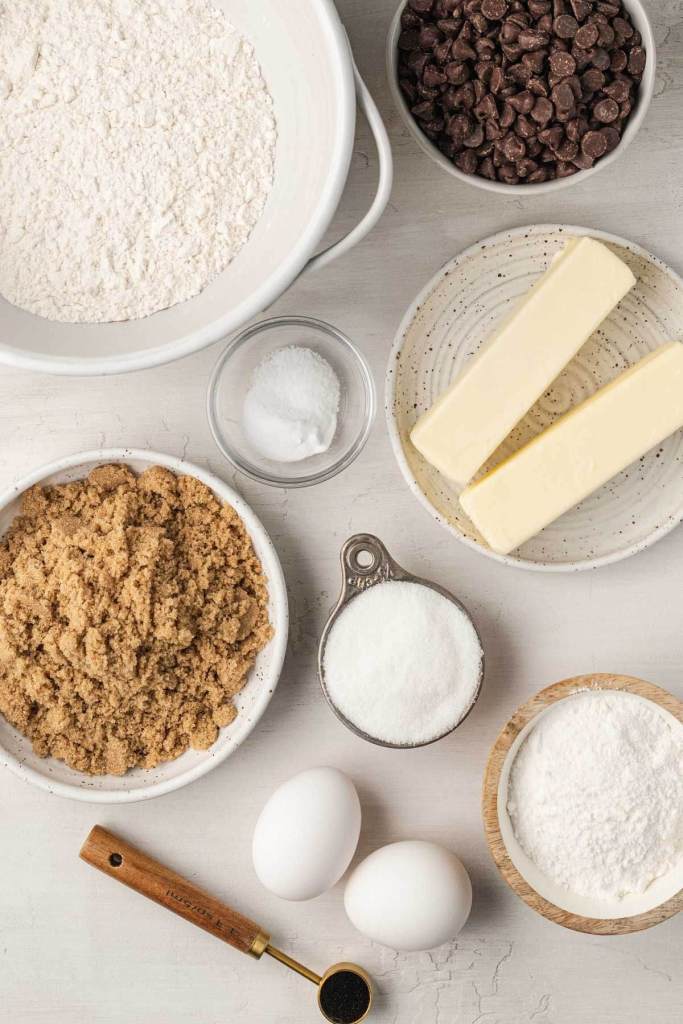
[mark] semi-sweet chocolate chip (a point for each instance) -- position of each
(520, 91)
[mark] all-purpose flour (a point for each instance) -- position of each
(596, 794)
(137, 143)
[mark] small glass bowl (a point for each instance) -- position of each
(231, 378)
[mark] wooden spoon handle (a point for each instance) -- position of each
(135, 869)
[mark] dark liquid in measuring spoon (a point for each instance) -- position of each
(344, 997)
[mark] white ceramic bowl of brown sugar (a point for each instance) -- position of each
(16, 752)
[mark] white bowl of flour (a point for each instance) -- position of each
(167, 171)
(589, 803)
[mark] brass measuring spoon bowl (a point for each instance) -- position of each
(365, 562)
(344, 990)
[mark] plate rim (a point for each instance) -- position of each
(278, 599)
(390, 395)
(495, 763)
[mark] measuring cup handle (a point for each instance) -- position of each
(121, 861)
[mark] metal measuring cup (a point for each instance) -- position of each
(344, 990)
(357, 576)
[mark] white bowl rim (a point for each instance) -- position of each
(395, 440)
(646, 92)
(277, 591)
(270, 289)
(314, 325)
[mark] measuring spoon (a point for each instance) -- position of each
(344, 990)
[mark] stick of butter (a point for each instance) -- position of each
(529, 349)
(580, 452)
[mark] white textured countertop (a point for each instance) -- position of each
(76, 947)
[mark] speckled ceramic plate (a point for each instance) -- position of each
(448, 323)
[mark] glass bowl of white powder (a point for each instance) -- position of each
(291, 401)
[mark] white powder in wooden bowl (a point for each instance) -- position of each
(402, 663)
(595, 794)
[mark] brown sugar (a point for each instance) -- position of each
(131, 611)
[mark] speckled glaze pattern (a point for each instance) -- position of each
(454, 316)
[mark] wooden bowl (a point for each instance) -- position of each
(494, 837)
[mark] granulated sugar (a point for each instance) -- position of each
(596, 794)
(402, 663)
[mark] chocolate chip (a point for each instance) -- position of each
(423, 111)
(543, 111)
(494, 10)
(449, 26)
(525, 128)
(462, 49)
(464, 97)
(594, 144)
(508, 174)
(534, 60)
(611, 136)
(583, 161)
(486, 169)
(497, 81)
(592, 79)
(508, 116)
(457, 72)
(622, 27)
(636, 61)
(429, 37)
(433, 76)
(525, 167)
(576, 128)
(475, 138)
(587, 36)
(566, 26)
(606, 110)
(532, 39)
(442, 52)
(538, 86)
(567, 149)
(487, 108)
(467, 161)
(459, 127)
(618, 90)
(600, 59)
(581, 9)
(523, 102)
(562, 64)
(563, 97)
(607, 36)
(552, 137)
(618, 61)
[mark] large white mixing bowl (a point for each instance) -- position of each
(306, 59)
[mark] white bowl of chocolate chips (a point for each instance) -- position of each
(537, 94)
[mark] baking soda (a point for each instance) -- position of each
(402, 663)
(290, 411)
(596, 794)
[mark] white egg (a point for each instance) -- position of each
(307, 834)
(409, 896)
